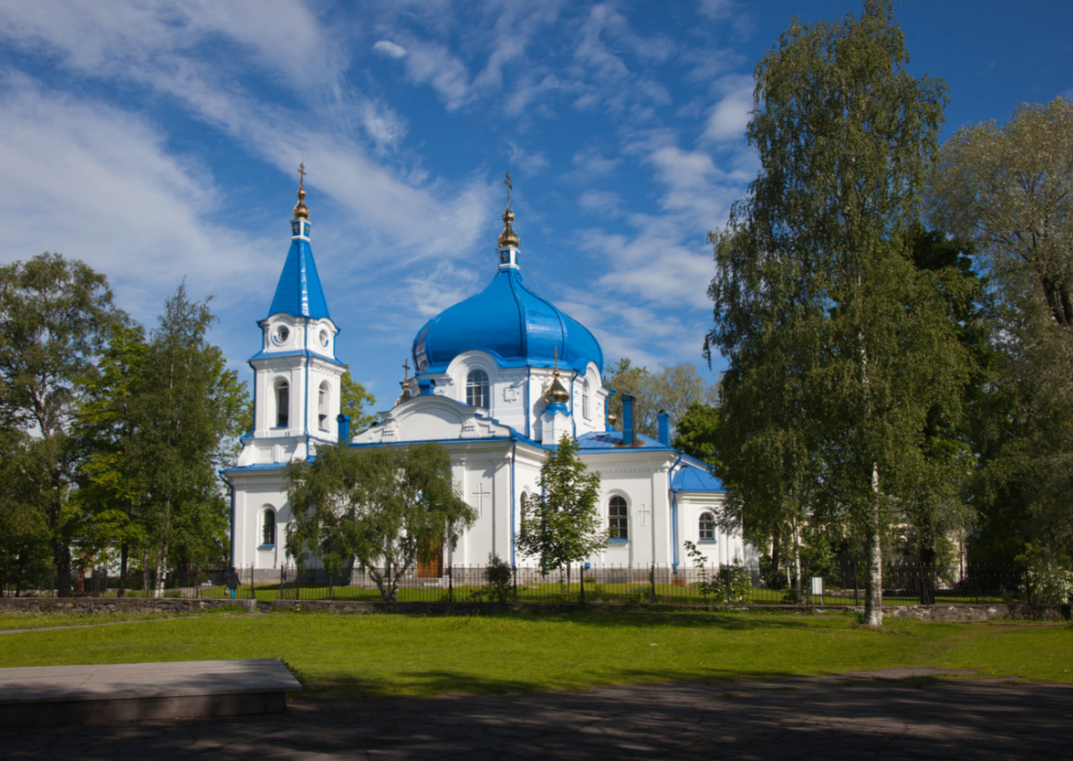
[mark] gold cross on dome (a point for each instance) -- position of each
(302, 175)
(406, 370)
(509, 187)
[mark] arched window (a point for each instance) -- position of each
(323, 405)
(707, 527)
(618, 514)
(477, 389)
(524, 505)
(268, 528)
(283, 404)
(585, 401)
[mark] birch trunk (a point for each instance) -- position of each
(158, 590)
(873, 551)
(798, 592)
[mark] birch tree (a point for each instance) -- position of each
(376, 506)
(815, 269)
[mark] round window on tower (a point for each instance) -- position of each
(282, 334)
(324, 338)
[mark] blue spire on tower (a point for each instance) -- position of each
(299, 292)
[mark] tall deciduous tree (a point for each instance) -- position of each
(562, 525)
(24, 534)
(162, 414)
(1010, 190)
(697, 431)
(377, 506)
(815, 269)
(672, 389)
(354, 400)
(55, 316)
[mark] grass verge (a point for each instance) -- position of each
(377, 655)
(35, 620)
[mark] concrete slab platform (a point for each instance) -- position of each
(137, 691)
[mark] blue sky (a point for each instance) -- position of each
(160, 140)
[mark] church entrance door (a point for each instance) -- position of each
(430, 559)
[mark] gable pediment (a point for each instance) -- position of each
(426, 418)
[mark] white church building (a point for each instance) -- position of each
(499, 378)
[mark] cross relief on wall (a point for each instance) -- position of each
(480, 494)
(644, 511)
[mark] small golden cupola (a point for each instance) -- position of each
(508, 238)
(556, 393)
(508, 242)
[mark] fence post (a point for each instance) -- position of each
(451, 583)
(581, 572)
(727, 567)
(652, 578)
(515, 569)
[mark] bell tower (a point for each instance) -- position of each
(296, 373)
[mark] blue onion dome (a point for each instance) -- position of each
(509, 321)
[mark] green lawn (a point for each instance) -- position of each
(390, 654)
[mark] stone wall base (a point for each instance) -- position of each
(88, 605)
(175, 606)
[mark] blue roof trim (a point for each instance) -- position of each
(696, 480)
(613, 440)
(492, 440)
(510, 322)
(298, 353)
(299, 292)
(258, 466)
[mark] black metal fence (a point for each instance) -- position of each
(903, 584)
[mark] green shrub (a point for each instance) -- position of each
(1047, 581)
(500, 577)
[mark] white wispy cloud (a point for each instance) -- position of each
(98, 185)
(389, 48)
(429, 220)
(730, 115)
(531, 162)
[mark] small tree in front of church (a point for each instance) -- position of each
(562, 525)
(374, 506)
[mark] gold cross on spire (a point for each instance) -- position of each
(509, 188)
(405, 370)
(300, 209)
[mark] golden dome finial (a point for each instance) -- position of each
(300, 209)
(407, 391)
(556, 393)
(508, 237)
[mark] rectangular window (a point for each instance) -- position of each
(283, 403)
(618, 516)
